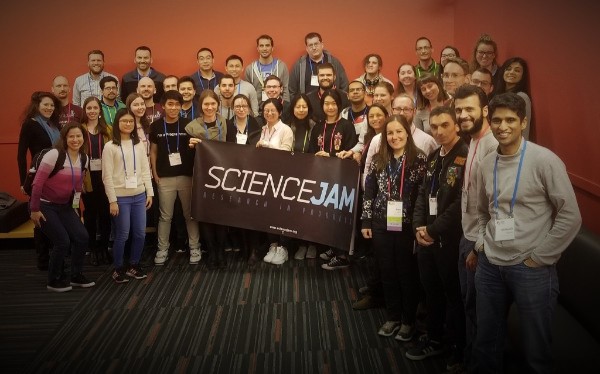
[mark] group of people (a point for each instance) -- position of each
(459, 210)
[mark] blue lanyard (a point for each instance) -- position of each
(208, 80)
(167, 137)
(352, 114)
(124, 163)
(311, 65)
(108, 108)
(218, 126)
(514, 196)
(138, 74)
(73, 174)
(183, 113)
(392, 175)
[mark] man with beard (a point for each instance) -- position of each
(234, 66)
(170, 83)
(69, 112)
(357, 114)
(187, 89)
(471, 108)
(147, 89)
(266, 65)
(88, 84)
(226, 93)
(110, 102)
(143, 62)
(327, 76)
(456, 74)
(205, 77)
(303, 78)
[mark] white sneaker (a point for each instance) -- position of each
(281, 256)
(300, 253)
(311, 252)
(195, 256)
(269, 257)
(161, 257)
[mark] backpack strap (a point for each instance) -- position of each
(60, 162)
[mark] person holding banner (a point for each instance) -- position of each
(391, 189)
(211, 125)
(276, 135)
(330, 138)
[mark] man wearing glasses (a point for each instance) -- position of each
(456, 74)
(274, 90)
(483, 79)
(426, 63)
(326, 76)
(303, 78)
(110, 102)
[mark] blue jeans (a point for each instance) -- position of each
(131, 217)
(467, 289)
(534, 291)
(64, 229)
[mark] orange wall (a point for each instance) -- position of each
(41, 40)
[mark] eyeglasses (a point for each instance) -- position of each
(110, 88)
(449, 55)
(313, 45)
(271, 111)
(451, 75)
(272, 86)
(126, 121)
(403, 110)
(240, 107)
(486, 54)
(477, 82)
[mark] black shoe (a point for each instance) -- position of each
(59, 285)
(79, 280)
(118, 276)
(425, 348)
(135, 271)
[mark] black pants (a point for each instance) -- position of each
(97, 212)
(398, 270)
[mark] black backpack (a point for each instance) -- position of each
(35, 165)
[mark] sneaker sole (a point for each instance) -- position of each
(327, 267)
(402, 339)
(424, 356)
(136, 276)
(194, 262)
(83, 285)
(121, 281)
(62, 289)
(390, 334)
(160, 263)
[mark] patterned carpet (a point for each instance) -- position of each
(293, 318)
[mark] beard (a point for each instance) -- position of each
(477, 125)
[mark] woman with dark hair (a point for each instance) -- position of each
(514, 77)
(328, 139)
(136, 105)
(300, 114)
(372, 76)
(96, 213)
(53, 203)
(242, 128)
(430, 94)
(448, 52)
(126, 176)
(40, 129)
(391, 189)
(407, 80)
(376, 118)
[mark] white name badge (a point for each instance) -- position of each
(76, 198)
(96, 164)
(505, 229)
(394, 216)
(314, 80)
(433, 206)
(464, 200)
(241, 138)
(131, 181)
(175, 159)
(264, 96)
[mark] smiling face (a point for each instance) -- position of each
(454, 76)
(92, 110)
(396, 136)
(74, 138)
(172, 108)
(142, 59)
(326, 78)
(138, 107)
(186, 89)
(372, 66)
(301, 109)
(264, 48)
(270, 113)
(273, 88)
(430, 91)
(507, 128)
(375, 119)
(205, 61)
(46, 107)
(234, 68)
(227, 88)
(146, 88)
(485, 55)
(60, 88)
(209, 107)
(513, 74)
(469, 114)
(241, 108)
(96, 63)
(406, 75)
(424, 50)
(126, 125)
(382, 96)
(330, 108)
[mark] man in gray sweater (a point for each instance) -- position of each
(527, 216)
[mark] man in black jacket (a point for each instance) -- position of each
(437, 225)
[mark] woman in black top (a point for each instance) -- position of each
(242, 128)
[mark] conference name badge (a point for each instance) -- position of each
(76, 198)
(314, 80)
(394, 216)
(175, 159)
(131, 181)
(241, 138)
(505, 229)
(96, 164)
(433, 206)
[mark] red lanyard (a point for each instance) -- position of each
(99, 144)
(330, 139)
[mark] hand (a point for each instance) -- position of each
(23, 191)
(148, 202)
(194, 141)
(322, 154)
(345, 154)
(530, 263)
(423, 237)
(156, 177)
(262, 143)
(37, 218)
(357, 156)
(471, 261)
(114, 209)
(367, 233)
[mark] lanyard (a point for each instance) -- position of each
(245, 130)
(167, 136)
(184, 113)
(218, 126)
(433, 174)
(108, 108)
(467, 179)
(311, 64)
(73, 174)
(351, 112)
(304, 144)
(208, 80)
(266, 131)
(331, 138)
(99, 144)
(391, 175)
(69, 113)
(514, 196)
(138, 74)
(124, 163)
